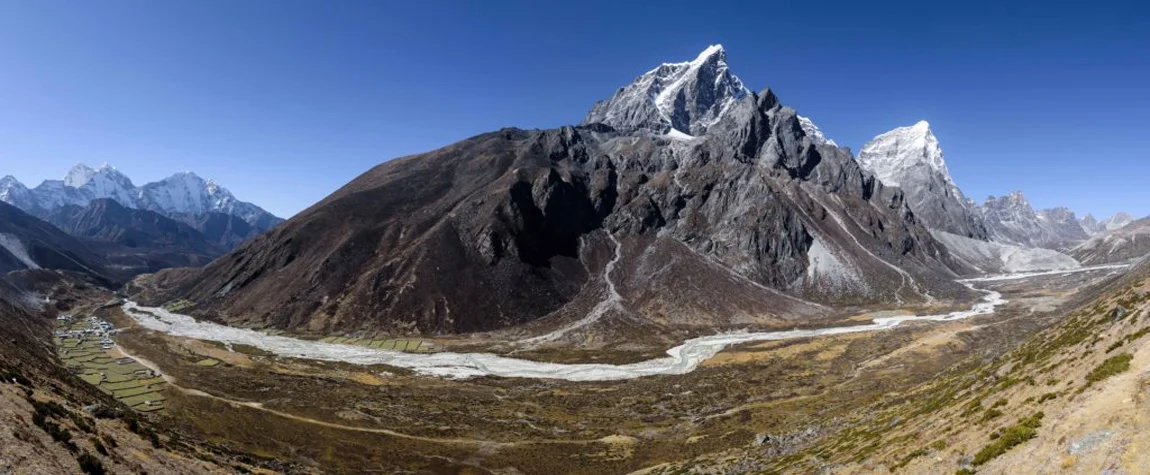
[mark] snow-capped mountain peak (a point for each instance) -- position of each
(1119, 220)
(688, 97)
(79, 175)
(180, 194)
(1012, 220)
(13, 192)
(813, 131)
(1091, 225)
(911, 158)
(892, 155)
(186, 192)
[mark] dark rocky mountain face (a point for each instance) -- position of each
(108, 221)
(26, 242)
(627, 230)
(222, 229)
(135, 241)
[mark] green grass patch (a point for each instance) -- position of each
(910, 457)
(179, 305)
(208, 362)
(134, 401)
(126, 393)
(155, 406)
(1026, 429)
(118, 378)
(1112, 366)
(133, 384)
(127, 369)
(990, 415)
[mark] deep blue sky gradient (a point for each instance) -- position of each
(283, 101)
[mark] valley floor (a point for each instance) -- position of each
(776, 397)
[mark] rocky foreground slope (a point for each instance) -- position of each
(54, 422)
(636, 225)
(1069, 399)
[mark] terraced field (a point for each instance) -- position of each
(84, 348)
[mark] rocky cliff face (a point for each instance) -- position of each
(586, 228)
(1011, 220)
(911, 158)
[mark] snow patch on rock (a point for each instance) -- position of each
(12, 244)
(825, 268)
(815, 134)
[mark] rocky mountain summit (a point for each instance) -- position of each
(183, 196)
(1123, 243)
(1010, 219)
(911, 158)
(1092, 226)
(615, 224)
(686, 97)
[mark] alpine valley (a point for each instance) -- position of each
(694, 279)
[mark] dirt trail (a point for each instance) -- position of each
(172, 382)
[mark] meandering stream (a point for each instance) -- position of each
(679, 360)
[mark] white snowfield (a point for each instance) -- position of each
(12, 244)
(679, 360)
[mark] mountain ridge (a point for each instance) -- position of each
(183, 193)
(518, 226)
(1012, 220)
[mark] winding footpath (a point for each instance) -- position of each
(679, 360)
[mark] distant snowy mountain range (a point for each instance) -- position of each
(184, 197)
(912, 159)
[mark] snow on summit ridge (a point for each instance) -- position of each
(688, 97)
(911, 158)
(814, 132)
(180, 194)
(893, 155)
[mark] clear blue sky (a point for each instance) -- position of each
(284, 101)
